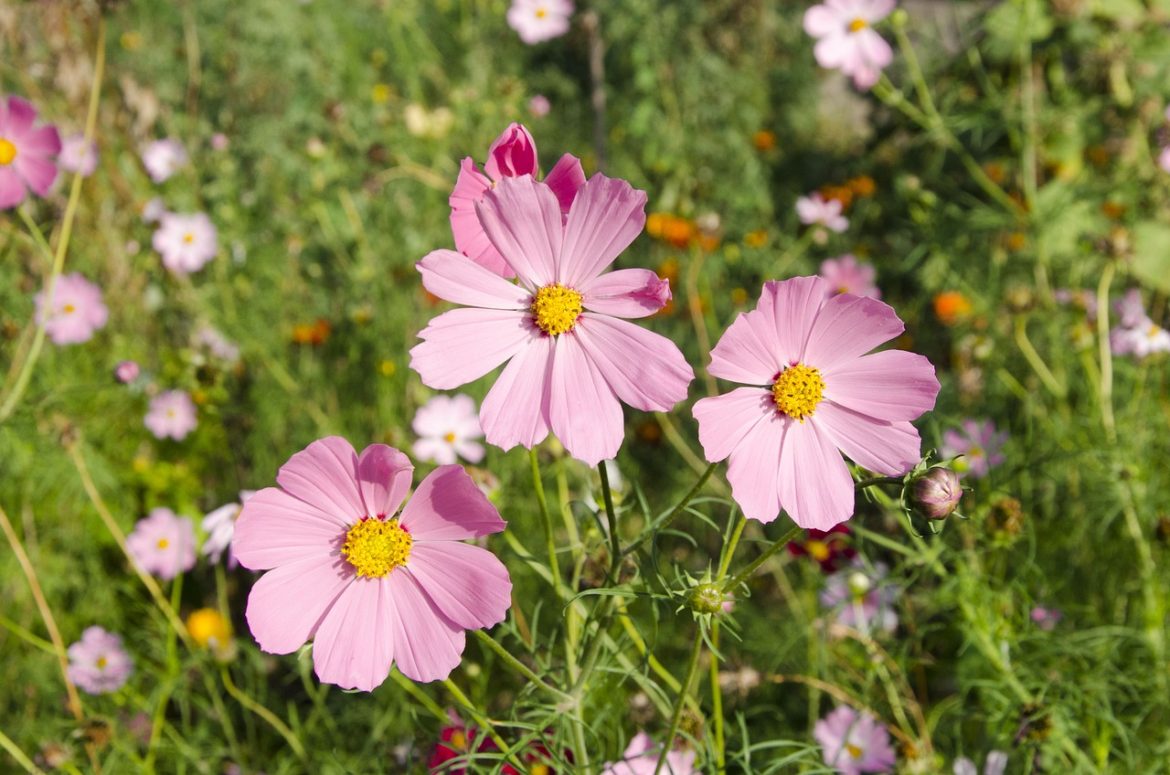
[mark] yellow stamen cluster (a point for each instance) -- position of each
(854, 750)
(188, 238)
(69, 309)
(555, 309)
(818, 550)
(374, 547)
(857, 25)
(541, 12)
(449, 437)
(163, 543)
(7, 152)
(798, 390)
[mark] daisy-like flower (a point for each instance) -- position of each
(845, 274)
(163, 544)
(163, 158)
(76, 313)
(26, 153)
(816, 210)
(571, 359)
(185, 241)
(511, 155)
(448, 427)
(78, 156)
(846, 40)
(172, 415)
(995, 764)
(816, 394)
(829, 548)
(854, 742)
(641, 758)
(979, 444)
(220, 526)
(371, 587)
(127, 371)
(1135, 333)
(536, 21)
(98, 663)
(211, 630)
(859, 597)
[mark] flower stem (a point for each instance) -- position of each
(1105, 352)
(676, 717)
(615, 560)
(483, 721)
(519, 666)
(674, 512)
(271, 718)
(21, 757)
(742, 577)
(549, 539)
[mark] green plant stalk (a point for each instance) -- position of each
(728, 551)
(1035, 361)
(615, 552)
(483, 721)
(676, 717)
(520, 667)
(542, 502)
(21, 757)
(264, 713)
(1106, 353)
(676, 511)
(742, 577)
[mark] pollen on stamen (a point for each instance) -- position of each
(797, 391)
(858, 24)
(374, 547)
(7, 152)
(555, 309)
(188, 238)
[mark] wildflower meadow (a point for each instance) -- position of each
(562, 386)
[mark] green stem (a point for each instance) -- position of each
(676, 717)
(21, 757)
(549, 538)
(674, 512)
(1035, 361)
(1105, 352)
(483, 722)
(519, 666)
(615, 561)
(717, 701)
(742, 577)
(255, 707)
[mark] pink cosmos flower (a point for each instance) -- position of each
(98, 663)
(76, 313)
(539, 106)
(371, 589)
(845, 274)
(641, 758)
(185, 241)
(78, 156)
(854, 742)
(816, 392)
(163, 544)
(220, 526)
(512, 155)
(126, 371)
(979, 444)
(571, 360)
(172, 414)
(846, 40)
(448, 427)
(163, 158)
(859, 597)
(25, 153)
(815, 209)
(536, 21)
(1136, 334)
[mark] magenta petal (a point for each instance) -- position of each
(565, 179)
(515, 410)
(753, 468)
(21, 115)
(354, 644)
(470, 238)
(849, 326)
(383, 475)
(583, 411)
(274, 528)
(42, 141)
(725, 420)
(458, 279)
(468, 584)
(888, 448)
(511, 154)
(464, 344)
(794, 306)
(12, 190)
(448, 506)
(749, 350)
(427, 645)
(286, 604)
(324, 474)
(607, 215)
(626, 293)
(888, 385)
(645, 369)
(39, 173)
(522, 218)
(815, 486)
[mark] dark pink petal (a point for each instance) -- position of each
(427, 645)
(274, 528)
(754, 466)
(383, 475)
(470, 238)
(888, 448)
(749, 350)
(607, 215)
(354, 644)
(522, 218)
(42, 141)
(848, 327)
(516, 409)
(725, 420)
(512, 154)
(324, 474)
(583, 411)
(38, 173)
(645, 369)
(468, 584)
(889, 385)
(815, 486)
(794, 306)
(626, 293)
(464, 344)
(448, 506)
(21, 115)
(458, 279)
(565, 179)
(286, 604)
(11, 188)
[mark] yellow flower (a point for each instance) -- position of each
(210, 629)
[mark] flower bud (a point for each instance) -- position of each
(937, 493)
(708, 598)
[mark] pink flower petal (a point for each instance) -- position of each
(470, 238)
(383, 476)
(834, 51)
(448, 506)
(565, 179)
(464, 344)
(427, 645)
(42, 141)
(626, 293)
(37, 172)
(725, 420)
(645, 370)
(820, 21)
(752, 470)
(874, 49)
(793, 306)
(749, 350)
(888, 448)
(468, 584)
(458, 279)
(515, 410)
(323, 474)
(847, 327)
(12, 190)
(287, 603)
(814, 483)
(512, 154)
(522, 218)
(274, 528)
(583, 411)
(607, 215)
(354, 644)
(21, 115)
(888, 385)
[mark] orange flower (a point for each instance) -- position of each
(668, 270)
(1113, 210)
(756, 239)
(843, 194)
(862, 186)
(951, 306)
(764, 140)
(314, 333)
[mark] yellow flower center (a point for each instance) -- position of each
(556, 308)
(818, 550)
(459, 741)
(208, 627)
(857, 25)
(853, 750)
(540, 769)
(163, 543)
(188, 238)
(541, 12)
(449, 437)
(374, 547)
(69, 309)
(7, 152)
(798, 390)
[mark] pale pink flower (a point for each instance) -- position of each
(172, 414)
(220, 526)
(216, 344)
(1164, 159)
(126, 371)
(219, 142)
(641, 758)
(536, 21)
(1131, 310)
(854, 742)
(1136, 334)
(154, 210)
(78, 156)
(571, 360)
(539, 106)
(98, 663)
(816, 210)
(370, 588)
(858, 597)
(845, 274)
(846, 40)
(817, 395)
(26, 153)
(979, 445)
(513, 154)
(448, 428)
(163, 544)
(185, 241)
(995, 764)
(77, 310)
(163, 158)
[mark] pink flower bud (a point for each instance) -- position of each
(937, 494)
